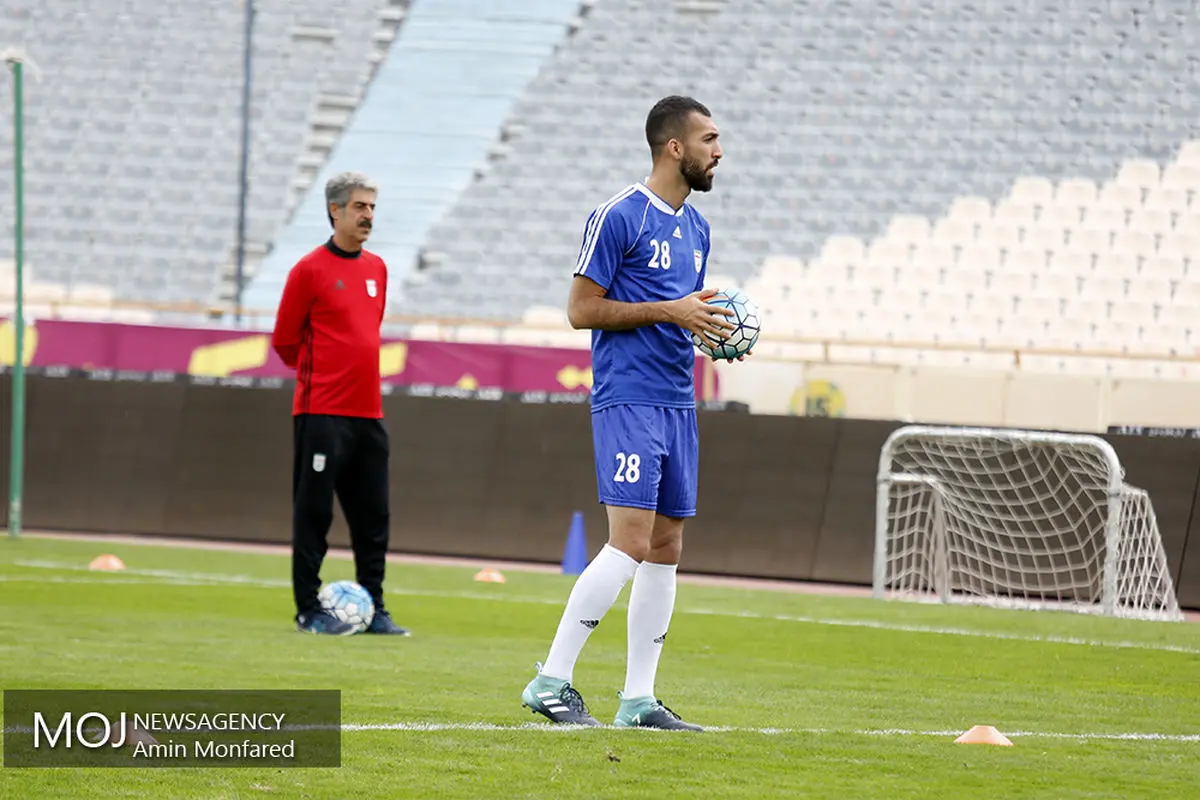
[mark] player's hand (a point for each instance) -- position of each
(742, 357)
(706, 321)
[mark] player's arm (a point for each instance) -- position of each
(589, 308)
(292, 314)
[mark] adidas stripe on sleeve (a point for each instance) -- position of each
(605, 241)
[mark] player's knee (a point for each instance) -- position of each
(667, 551)
(630, 530)
(633, 543)
(666, 544)
(635, 549)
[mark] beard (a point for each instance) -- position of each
(696, 175)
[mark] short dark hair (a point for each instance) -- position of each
(668, 120)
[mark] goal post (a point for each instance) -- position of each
(1018, 519)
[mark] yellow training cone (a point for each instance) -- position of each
(983, 734)
(489, 575)
(107, 563)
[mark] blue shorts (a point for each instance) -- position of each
(647, 457)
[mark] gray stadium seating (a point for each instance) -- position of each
(839, 119)
(426, 124)
(133, 137)
(893, 168)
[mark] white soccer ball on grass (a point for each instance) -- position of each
(349, 602)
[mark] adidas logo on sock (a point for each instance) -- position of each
(660, 639)
(590, 624)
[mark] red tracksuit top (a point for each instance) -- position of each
(327, 329)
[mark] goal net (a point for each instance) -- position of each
(1017, 519)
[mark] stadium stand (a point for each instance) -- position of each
(426, 124)
(132, 151)
(911, 182)
(891, 167)
(1070, 267)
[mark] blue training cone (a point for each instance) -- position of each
(575, 554)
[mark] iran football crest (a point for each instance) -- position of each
(371, 290)
(699, 257)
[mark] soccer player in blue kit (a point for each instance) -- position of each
(638, 288)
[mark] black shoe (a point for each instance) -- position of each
(382, 622)
(648, 712)
(557, 701)
(322, 622)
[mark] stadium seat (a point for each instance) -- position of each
(133, 152)
(1075, 193)
(1139, 173)
(970, 209)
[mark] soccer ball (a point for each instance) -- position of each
(745, 316)
(349, 602)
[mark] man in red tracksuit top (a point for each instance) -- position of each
(327, 329)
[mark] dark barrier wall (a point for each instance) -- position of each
(784, 497)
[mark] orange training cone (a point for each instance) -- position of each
(489, 575)
(983, 734)
(107, 563)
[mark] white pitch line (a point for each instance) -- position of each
(433, 727)
(170, 574)
(908, 628)
(180, 577)
(130, 581)
(534, 727)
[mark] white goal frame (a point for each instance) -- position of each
(932, 537)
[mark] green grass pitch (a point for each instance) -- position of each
(809, 696)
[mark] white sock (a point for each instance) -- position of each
(594, 593)
(651, 601)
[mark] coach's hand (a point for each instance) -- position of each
(706, 321)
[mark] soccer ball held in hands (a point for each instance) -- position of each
(745, 316)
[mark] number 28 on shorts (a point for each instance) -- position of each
(647, 457)
(629, 468)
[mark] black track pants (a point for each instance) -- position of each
(346, 457)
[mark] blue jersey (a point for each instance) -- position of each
(641, 250)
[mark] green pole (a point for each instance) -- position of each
(17, 454)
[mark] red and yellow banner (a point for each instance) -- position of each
(225, 353)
